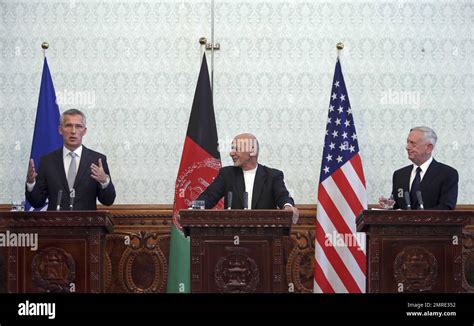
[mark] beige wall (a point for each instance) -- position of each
(132, 67)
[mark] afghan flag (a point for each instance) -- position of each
(200, 164)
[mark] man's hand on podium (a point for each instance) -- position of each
(296, 212)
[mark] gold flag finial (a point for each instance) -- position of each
(202, 40)
(45, 45)
(340, 46)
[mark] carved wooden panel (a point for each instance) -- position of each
(415, 251)
(233, 269)
(53, 270)
(411, 265)
(69, 254)
(137, 254)
(300, 260)
(61, 264)
(373, 263)
(139, 266)
(468, 259)
(237, 251)
(298, 251)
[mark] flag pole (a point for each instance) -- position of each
(212, 48)
(44, 46)
(203, 42)
(339, 47)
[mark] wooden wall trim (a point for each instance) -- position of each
(305, 209)
(128, 212)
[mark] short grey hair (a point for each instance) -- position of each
(73, 112)
(428, 133)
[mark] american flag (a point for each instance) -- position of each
(340, 258)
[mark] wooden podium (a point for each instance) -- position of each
(69, 256)
(414, 251)
(237, 251)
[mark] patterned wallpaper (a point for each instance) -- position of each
(132, 67)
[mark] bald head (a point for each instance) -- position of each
(247, 143)
(244, 151)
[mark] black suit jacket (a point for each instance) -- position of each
(269, 190)
(439, 187)
(52, 177)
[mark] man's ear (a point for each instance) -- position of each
(430, 148)
(253, 152)
(59, 130)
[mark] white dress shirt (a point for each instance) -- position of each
(249, 178)
(67, 158)
(423, 167)
(66, 162)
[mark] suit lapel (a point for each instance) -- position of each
(429, 176)
(406, 183)
(239, 186)
(83, 166)
(260, 178)
(60, 167)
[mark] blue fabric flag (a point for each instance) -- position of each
(46, 137)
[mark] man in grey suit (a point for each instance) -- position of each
(81, 174)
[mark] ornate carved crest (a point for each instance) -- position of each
(236, 273)
(54, 270)
(143, 266)
(300, 264)
(468, 261)
(416, 268)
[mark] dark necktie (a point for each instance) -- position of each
(415, 186)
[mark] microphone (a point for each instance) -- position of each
(72, 194)
(246, 200)
(407, 200)
(60, 197)
(420, 200)
(229, 200)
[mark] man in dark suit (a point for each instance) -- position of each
(436, 183)
(263, 186)
(80, 173)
